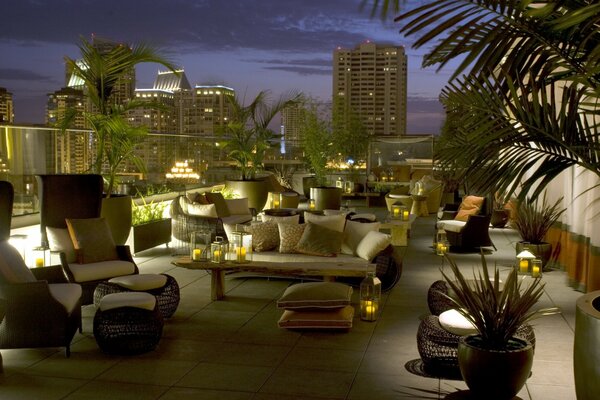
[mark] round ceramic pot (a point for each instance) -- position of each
(257, 192)
(326, 198)
(586, 351)
(494, 374)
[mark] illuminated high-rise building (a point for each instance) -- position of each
(66, 99)
(205, 110)
(370, 80)
(7, 113)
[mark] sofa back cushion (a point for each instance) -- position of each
(372, 244)
(12, 266)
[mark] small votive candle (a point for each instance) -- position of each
(369, 310)
(39, 262)
(311, 204)
(276, 202)
(217, 254)
(196, 254)
(396, 212)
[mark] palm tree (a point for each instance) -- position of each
(522, 104)
(100, 71)
(247, 134)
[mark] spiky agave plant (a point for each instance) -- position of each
(496, 311)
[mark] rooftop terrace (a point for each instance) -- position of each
(233, 349)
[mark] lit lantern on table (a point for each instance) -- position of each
(348, 186)
(275, 200)
(311, 204)
(441, 248)
(524, 261)
(339, 183)
(199, 243)
(536, 268)
(218, 248)
(370, 296)
(240, 246)
(39, 262)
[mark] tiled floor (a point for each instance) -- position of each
(232, 349)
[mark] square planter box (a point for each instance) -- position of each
(151, 234)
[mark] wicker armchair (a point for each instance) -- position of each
(184, 224)
(41, 309)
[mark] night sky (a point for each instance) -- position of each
(279, 45)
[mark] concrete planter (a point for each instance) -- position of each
(586, 351)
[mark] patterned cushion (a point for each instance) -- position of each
(318, 240)
(92, 240)
(265, 236)
(289, 236)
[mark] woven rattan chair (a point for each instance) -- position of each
(41, 309)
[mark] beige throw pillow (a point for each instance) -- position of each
(311, 295)
(372, 244)
(92, 240)
(202, 210)
(318, 240)
(265, 236)
(354, 232)
(333, 222)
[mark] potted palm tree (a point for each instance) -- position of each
(494, 363)
(533, 219)
(318, 151)
(100, 70)
(247, 137)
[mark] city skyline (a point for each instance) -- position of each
(250, 46)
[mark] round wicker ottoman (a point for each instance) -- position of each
(438, 348)
(437, 302)
(128, 323)
(163, 286)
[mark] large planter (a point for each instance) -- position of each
(256, 191)
(117, 212)
(543, 251)
(151, 234)
(494, 375)
(308, 182)
(586, 351)
(326, 198)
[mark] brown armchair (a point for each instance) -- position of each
(40, 308)
(472, 235)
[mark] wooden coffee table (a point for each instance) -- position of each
(327, 270)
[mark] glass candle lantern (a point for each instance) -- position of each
(370, 296)
(200, 245)
(441, 247)
(218, 248)
(275, 200)
(240, 246)
(339, 183)
(524, 261)
(405, 213)
(536, 268)
(311, 204)
(348, 186)
(396, 211)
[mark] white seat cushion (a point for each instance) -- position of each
(101, 270)
(452, 225)
(67, 294)
(141, 300)
(140, 282)
(398, 196)
(454, 322)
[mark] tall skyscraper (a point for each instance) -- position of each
(7, 113)
(66, 99)
(205, 110)
(370, 80)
